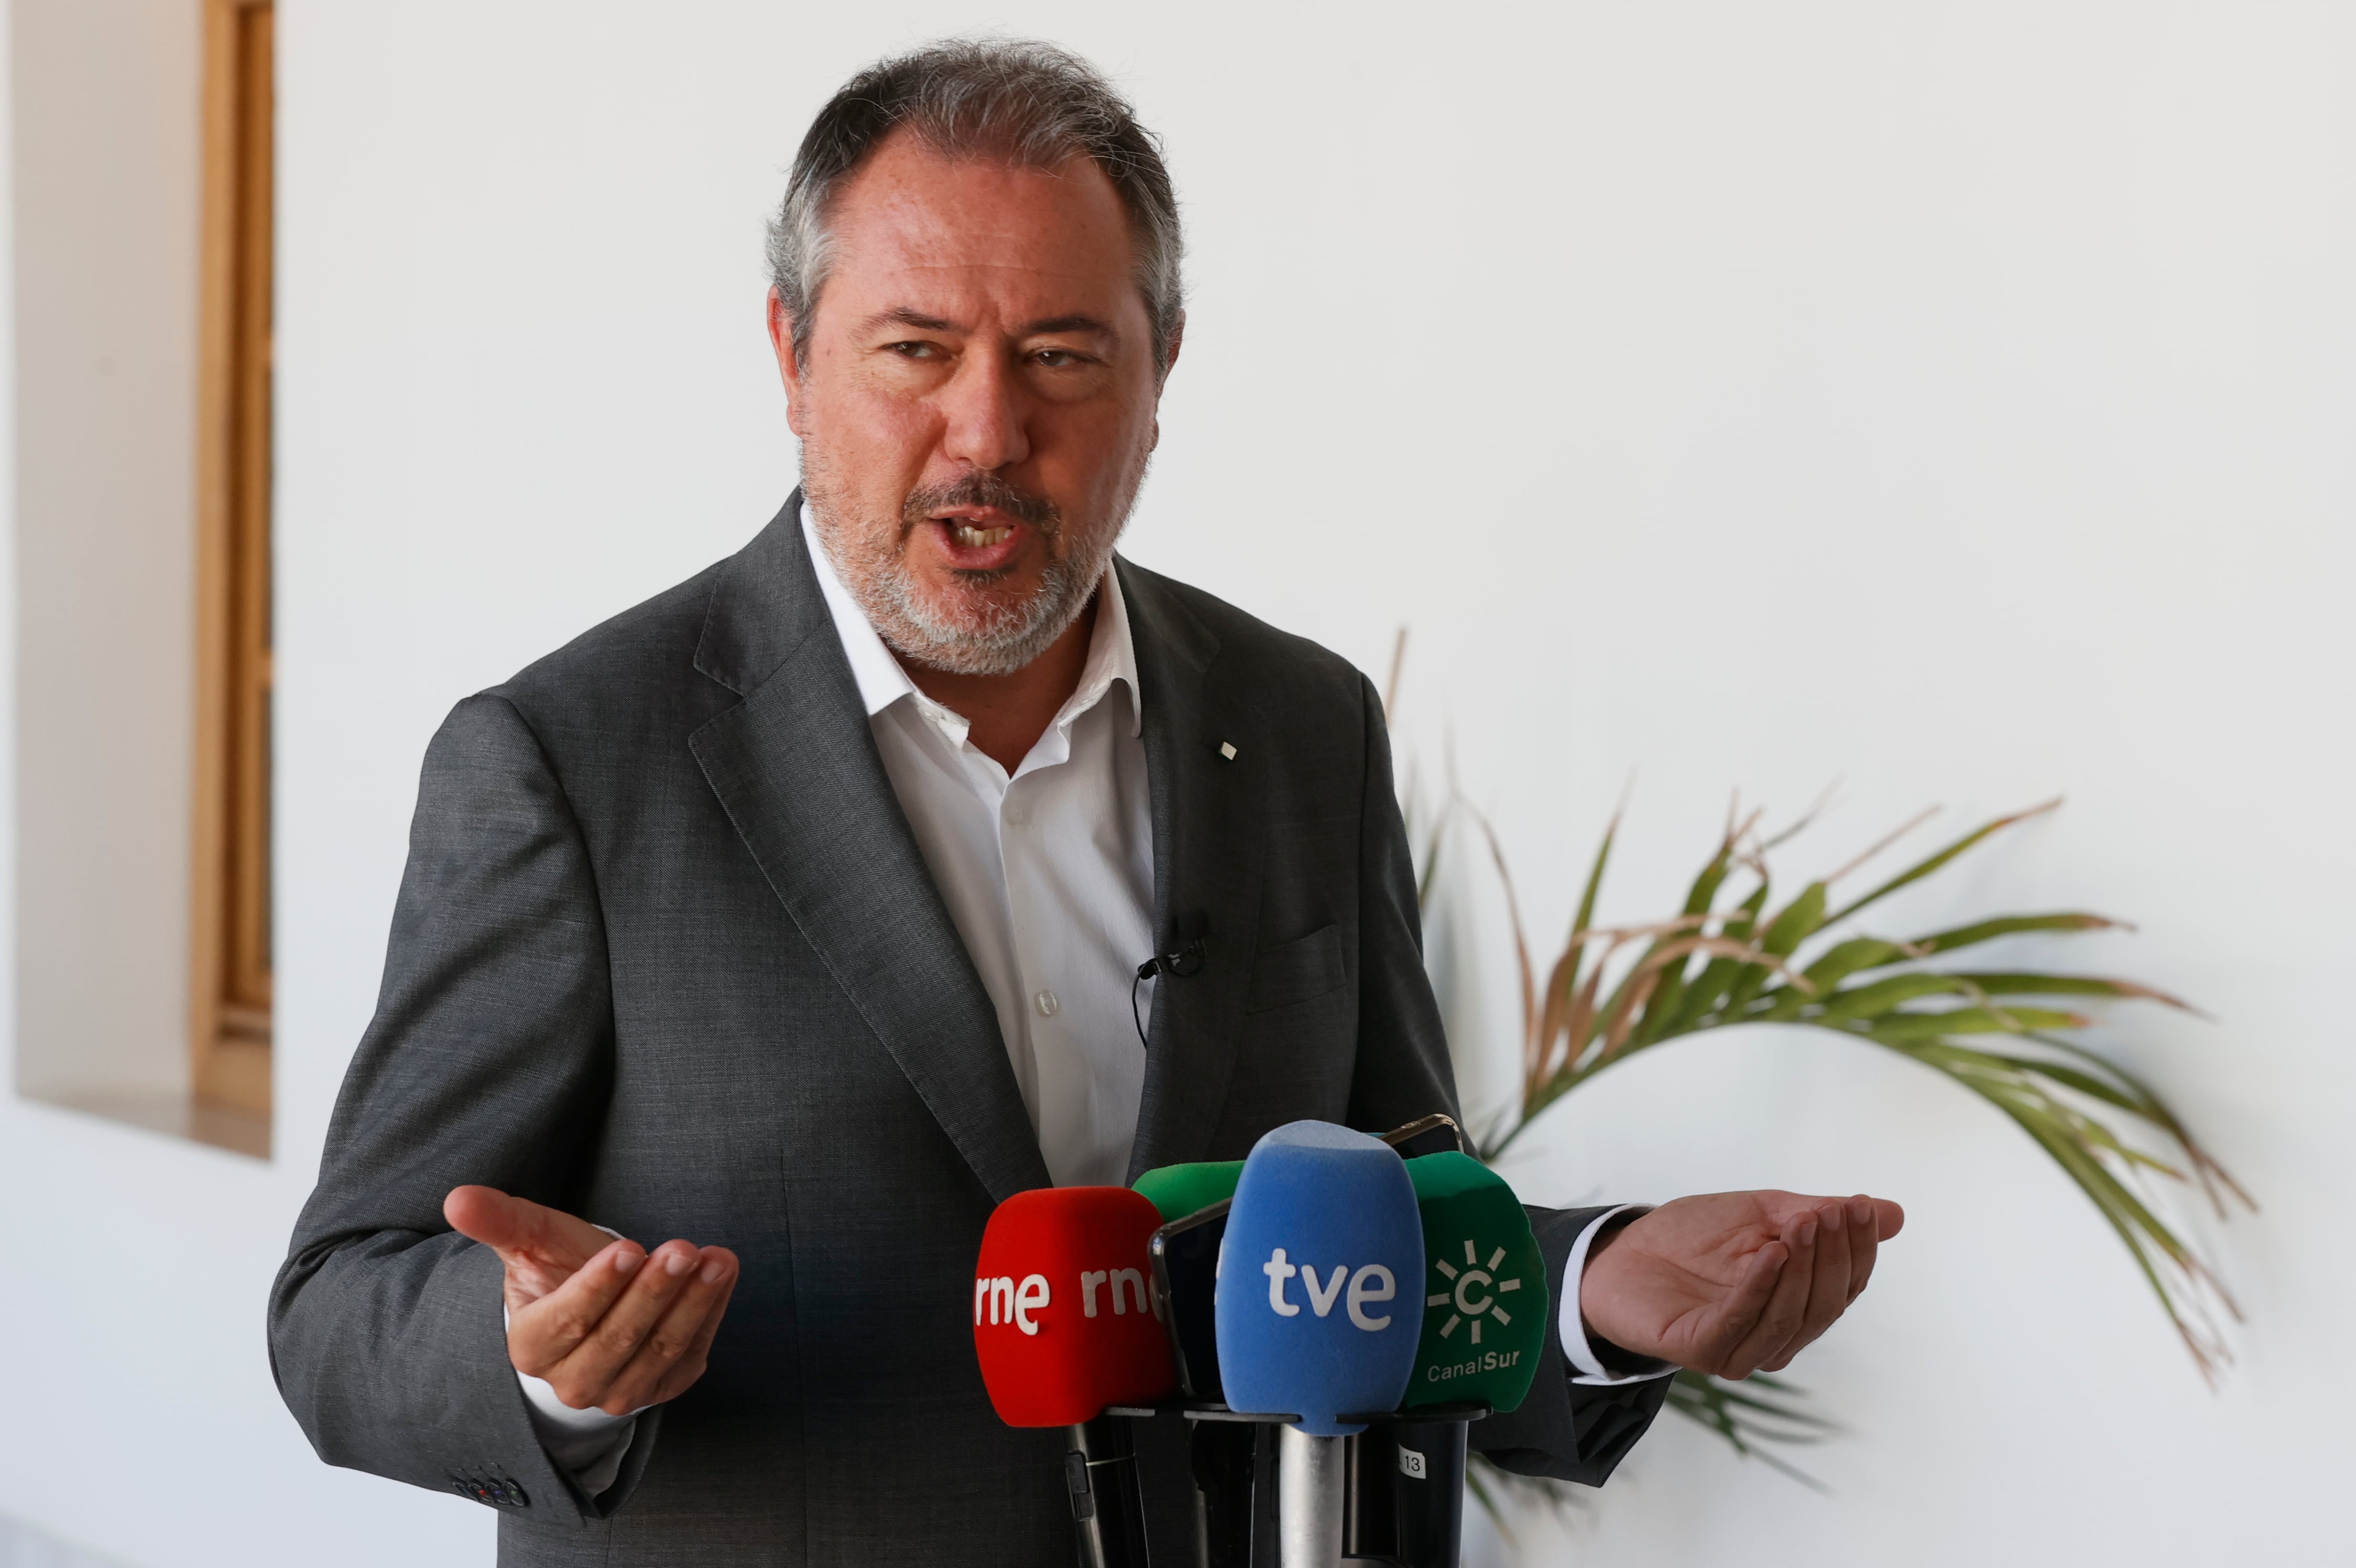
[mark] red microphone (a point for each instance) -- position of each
(1064, 1316)
(1065, 1326)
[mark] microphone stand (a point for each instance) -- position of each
(1235, 1459)
(1310, 1475)
(1108, 1495)
(1268, 1495)
(1228, 1460)
(1406, 1487)
(1391, 1494)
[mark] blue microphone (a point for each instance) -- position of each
(1319, 1308)
(1319, 1301)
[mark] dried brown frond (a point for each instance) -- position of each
(1908, 826)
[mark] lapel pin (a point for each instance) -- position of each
(1228, 749)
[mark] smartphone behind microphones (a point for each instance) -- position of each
(1185, 1261)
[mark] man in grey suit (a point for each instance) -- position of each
(801, 911)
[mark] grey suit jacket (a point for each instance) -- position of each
(666, 955)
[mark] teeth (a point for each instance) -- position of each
(973, 538)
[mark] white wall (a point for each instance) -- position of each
(1952, 399)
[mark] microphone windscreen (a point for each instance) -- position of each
(1318, 1310)
(1484, 1299)
(1180, 1190)
(1063, 1317)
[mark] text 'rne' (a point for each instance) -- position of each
(1010, 1303)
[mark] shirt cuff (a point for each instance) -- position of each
(587, 1445)
(1574, 1347)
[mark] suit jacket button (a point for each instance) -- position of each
(493, 1491)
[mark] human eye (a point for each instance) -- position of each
(913, 348)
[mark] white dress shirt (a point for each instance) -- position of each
(1048, 874)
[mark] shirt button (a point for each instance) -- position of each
(1016, 814)
(1047, 1004)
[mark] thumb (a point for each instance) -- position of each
(509, 1224)
(486, 1214)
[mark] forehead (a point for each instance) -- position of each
(912, 220)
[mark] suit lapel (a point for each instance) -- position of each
(1209, 818)
(796, 767)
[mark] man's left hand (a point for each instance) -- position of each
(1734, 1283)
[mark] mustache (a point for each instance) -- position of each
(978, 489)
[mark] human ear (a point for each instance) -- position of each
(781, 342)
(1177, 341)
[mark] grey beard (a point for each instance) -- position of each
(1010, 637)
(869, 562)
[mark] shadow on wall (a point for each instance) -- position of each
(22, 1546)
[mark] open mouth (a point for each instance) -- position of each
(980, 526)
(978, 538)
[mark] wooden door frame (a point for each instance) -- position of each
(229, 969)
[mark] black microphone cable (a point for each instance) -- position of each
(1188, 959)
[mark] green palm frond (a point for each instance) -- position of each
(1755, 1416)
(1616, 991)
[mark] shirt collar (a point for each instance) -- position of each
(1112, 654)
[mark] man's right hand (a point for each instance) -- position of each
(604, 1321)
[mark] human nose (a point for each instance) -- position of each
(984, 416)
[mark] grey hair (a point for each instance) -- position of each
(1027, 104)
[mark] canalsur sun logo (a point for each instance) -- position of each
(1471, 1293)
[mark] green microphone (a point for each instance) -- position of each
(1485, 1315)
(1180, 1190)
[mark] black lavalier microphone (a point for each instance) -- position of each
(1191, 946)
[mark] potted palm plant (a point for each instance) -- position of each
(1735, 953)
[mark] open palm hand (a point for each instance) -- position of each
(1734, 1283)
(604, 1321)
